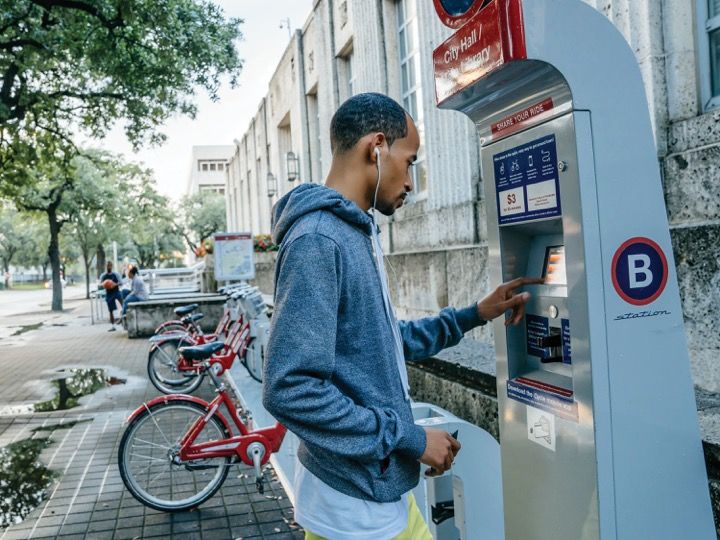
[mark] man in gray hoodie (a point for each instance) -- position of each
(335, 365)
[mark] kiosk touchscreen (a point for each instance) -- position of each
(598, 425)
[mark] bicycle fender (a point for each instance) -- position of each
(178, 397)
(156, 341)
(166, 324)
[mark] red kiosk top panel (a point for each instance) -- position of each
(491, 37)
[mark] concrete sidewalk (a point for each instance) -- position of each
(87, 498)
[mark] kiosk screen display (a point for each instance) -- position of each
(554, 268)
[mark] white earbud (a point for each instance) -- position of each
(377, 153)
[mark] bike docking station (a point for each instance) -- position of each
(599, 436)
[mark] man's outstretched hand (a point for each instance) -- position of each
(505, 298)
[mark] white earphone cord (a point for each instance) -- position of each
(377, 183)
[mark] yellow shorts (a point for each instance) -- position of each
(416, 529)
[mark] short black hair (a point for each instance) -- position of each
(363, 114)
(133, 271)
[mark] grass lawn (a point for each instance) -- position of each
(26, 286)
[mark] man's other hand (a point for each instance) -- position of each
(440, 451)
(505, 298)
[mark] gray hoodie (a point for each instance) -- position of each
(330, 374)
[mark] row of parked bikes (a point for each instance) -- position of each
(177, 449)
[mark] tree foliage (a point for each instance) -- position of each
(15, 237)
(68, 65)
(204, 215)
(153, 237)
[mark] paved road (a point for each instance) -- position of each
(87, 499)
(15, 302)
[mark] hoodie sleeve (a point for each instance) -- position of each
(423, 338)
(298, 389)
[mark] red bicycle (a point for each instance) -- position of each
(186, 322)
(173, 373)
(177, 450)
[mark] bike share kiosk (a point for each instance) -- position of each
(598, 424)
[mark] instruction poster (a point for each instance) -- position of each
(234, 256)
(527, 182)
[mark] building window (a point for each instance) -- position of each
(411, 85)
(709, 52)
(315, 137)
(343, 11)
(346, 74)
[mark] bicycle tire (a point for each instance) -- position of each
(177, 490)
(163, 373)
(253, 359)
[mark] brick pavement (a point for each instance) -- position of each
(88, 498)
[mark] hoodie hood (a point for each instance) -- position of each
(307, 198)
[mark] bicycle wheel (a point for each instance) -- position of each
(149, 463)
(253, 359)
(164, 373)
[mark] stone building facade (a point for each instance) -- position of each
(207, 169)
(436, 246)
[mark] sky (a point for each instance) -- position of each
(227, 119)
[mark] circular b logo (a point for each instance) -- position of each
(639, 271)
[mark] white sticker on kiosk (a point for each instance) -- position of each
(512, 201)
(541, 427)
(541, 196)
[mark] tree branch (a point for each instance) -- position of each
(8, 81)
(87, 95)
(81, 6)
(22, 43)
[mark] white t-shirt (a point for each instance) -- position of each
(326, 512)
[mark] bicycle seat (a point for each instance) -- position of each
(201, 352)
(184, 310)
(197, 317)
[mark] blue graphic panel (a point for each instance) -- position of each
(527, 182)
(565, 332)
(457, 7)
(537, 328)
(545, 401)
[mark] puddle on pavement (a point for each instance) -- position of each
(78, 383)
(26, 328)
(23, 479)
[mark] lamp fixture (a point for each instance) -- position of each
(271, 184)
(293, 166)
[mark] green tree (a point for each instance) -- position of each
(149, 221)
(204, 215)
(69, 65)
(45, 191)
(15, 238)
(97, 199)
(36, 255)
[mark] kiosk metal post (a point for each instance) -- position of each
(598, 424)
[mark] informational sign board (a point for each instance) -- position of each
(527, 181)
(234, 256)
